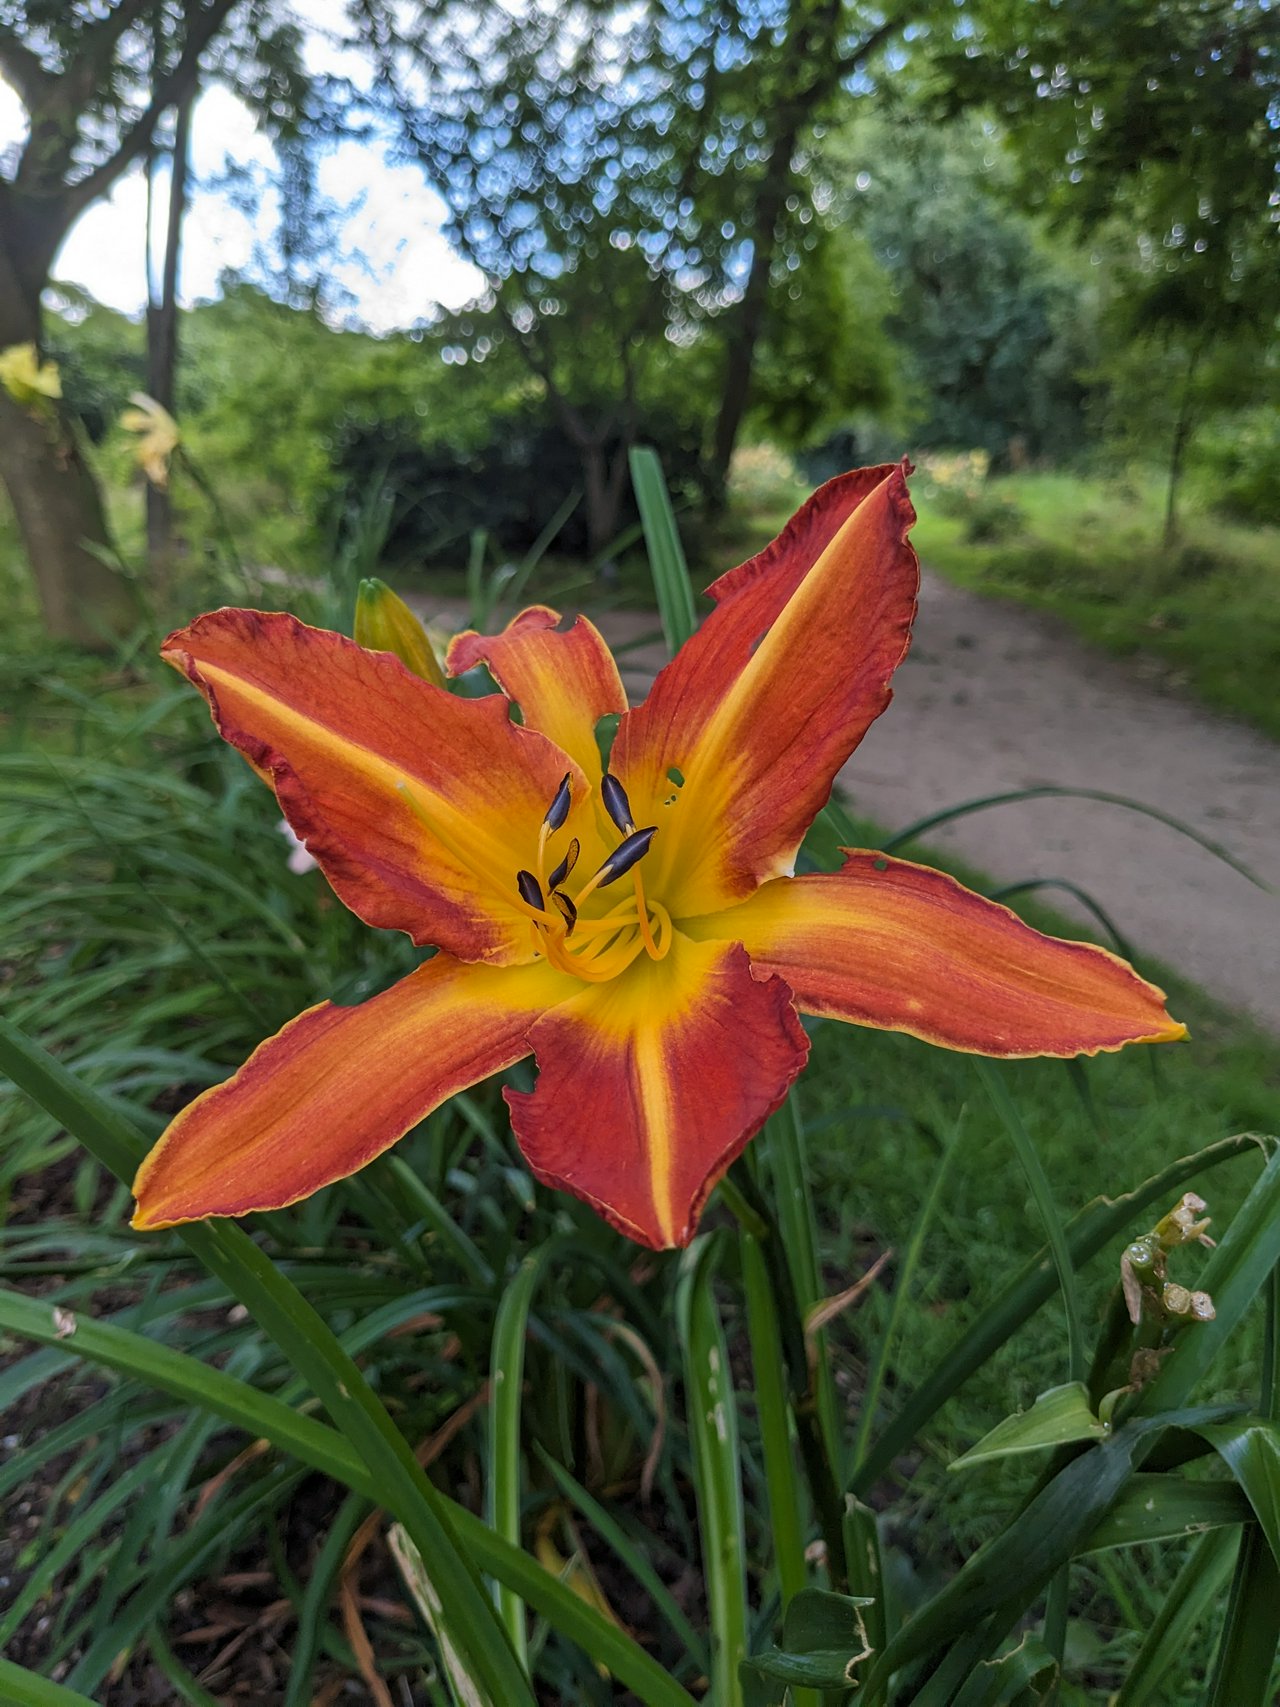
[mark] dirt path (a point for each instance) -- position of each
(994, 698)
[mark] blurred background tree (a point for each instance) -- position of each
(105, 92)
(1045, 235)
(1151, 126)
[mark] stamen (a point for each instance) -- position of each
(620, 861)
(616, 803)
(530, 891)
(558, 810)
(568, 912)
(565, 866)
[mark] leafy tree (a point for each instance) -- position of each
(96, 84)
(828, 350)
(1153, 121)
(995, 323)
(629, 181)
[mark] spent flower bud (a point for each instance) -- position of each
(1180, 1227)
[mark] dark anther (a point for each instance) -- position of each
(568, 912)
(530, 892)
(616, 803)
(566, 865)
(625, 855)
(558, 810)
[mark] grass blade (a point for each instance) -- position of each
(786, 1502)
(1247, 1652)
(22, 1688)
(1046, 791)
(634, 1560)
(506, 1383)
(671, 584)
(1198, 1585)
(1166, 1508)
(897, 1299)
(713, 1435)
(1033, 1168)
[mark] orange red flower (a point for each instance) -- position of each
(638, 930)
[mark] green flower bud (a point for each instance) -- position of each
(384, 623)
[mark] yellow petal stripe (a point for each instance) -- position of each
(650, 1085)
(338, 1086)
(563, 681)
(903, 947)
(796, 667)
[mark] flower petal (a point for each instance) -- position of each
(338, 1086)
(765, 703)
(649, 1086)
(564, 683)
(419, 806)
(906, 948)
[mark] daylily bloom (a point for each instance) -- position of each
(637, 930)
(158, 436)
(27, 379)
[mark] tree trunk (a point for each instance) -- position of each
(1177, 450)
(749, 321)
(162, 341)
(604, 481)
(55, 498)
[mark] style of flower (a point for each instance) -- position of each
(158, 436)
(638, 929)
(27, 379)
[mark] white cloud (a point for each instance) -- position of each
(392, 256)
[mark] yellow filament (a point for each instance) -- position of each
(591, 887)
(646, 935)
(543, 833)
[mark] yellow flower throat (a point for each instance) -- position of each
(594, 949)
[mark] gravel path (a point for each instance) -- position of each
(994, 698)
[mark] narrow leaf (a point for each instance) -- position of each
(1059, 1416)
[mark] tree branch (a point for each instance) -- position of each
(850, 61)
(169, 89)
(25, 71)
(87, 69)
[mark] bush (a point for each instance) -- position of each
(993, 516)
(1239, 455)
(510, 483)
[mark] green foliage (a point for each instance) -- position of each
(1155, 110)
(828, 353)
(991, 318)
(1238, 458)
